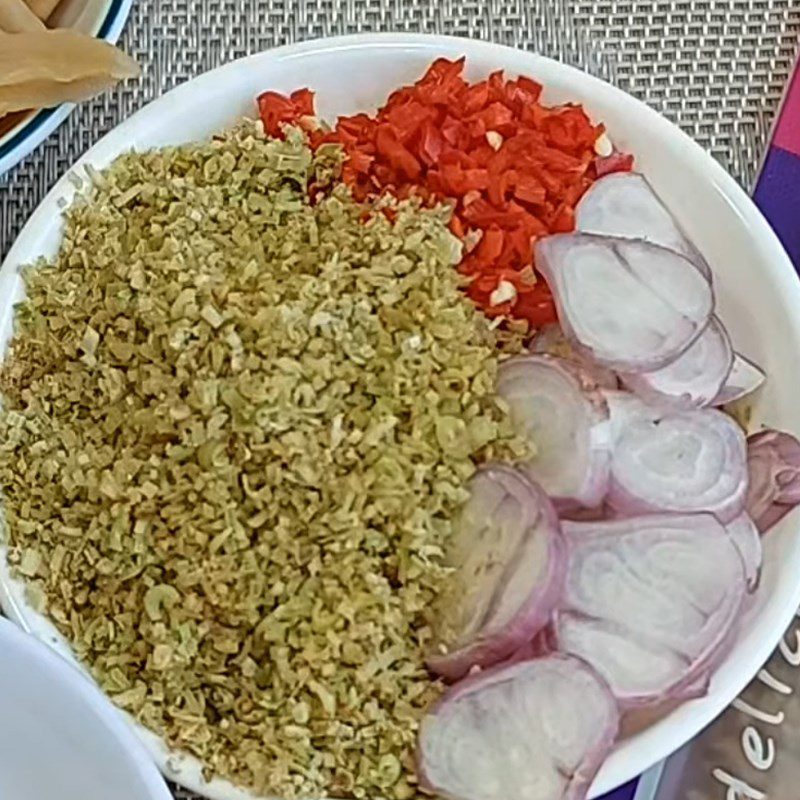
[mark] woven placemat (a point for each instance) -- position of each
(716, 67)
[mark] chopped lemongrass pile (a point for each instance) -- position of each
(236, 429)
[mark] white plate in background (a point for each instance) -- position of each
(60, 738)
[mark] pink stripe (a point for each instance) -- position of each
(787, 131)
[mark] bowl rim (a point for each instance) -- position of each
(28, 134)
(60, 672)
(653, 744)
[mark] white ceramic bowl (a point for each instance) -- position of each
(21, 133)
(758, 291)
(59, 737)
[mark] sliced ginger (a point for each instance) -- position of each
(45, 68)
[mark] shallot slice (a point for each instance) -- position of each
(744, 378)
(561, 412)
(689, 462)
(533, 730)
(507, 561)
(694, 379)
(624, 204)
(625, 408)
(628, 304)
(697, 688)
(550, 340)
(746, 537)
(649, 602)
(773, 464)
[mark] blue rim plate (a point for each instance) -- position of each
(23, 138)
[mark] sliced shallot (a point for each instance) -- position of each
(746, 537)
(689, 462)
(630, 305)
(697, 688)
(694, 379)
(625, 408)
(773, 463)
(533, 730)
(639, 718)
(550, 340)
(624, 204)
(560, 410)
(744, 378)
(507, 561)
(649, 602)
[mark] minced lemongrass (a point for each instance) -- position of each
(236, 428)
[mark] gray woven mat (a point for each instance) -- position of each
(716, 67)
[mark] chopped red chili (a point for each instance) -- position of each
(513, 167)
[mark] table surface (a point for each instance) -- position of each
(715, 67)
